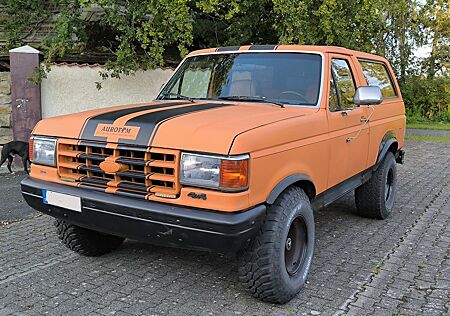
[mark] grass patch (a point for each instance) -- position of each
(378, 268)
(428, 138)
(441, 123)
(441, 126)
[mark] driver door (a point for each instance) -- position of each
(349, 135)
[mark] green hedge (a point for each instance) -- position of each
(427, 98)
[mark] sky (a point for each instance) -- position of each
(423, 51)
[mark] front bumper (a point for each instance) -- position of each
(156, 223)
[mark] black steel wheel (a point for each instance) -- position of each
(295, 246)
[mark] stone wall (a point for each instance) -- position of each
(5, 108)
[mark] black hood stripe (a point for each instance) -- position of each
(110, 117)
(150, 122)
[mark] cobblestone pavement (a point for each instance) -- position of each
(12, 205)
(361, 267)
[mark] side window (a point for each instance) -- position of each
(345, 83)
(376, 74)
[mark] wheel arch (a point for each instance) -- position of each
(389, 143)
(299, 180)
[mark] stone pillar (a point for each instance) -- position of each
(25, 95)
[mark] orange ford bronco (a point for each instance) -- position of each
(235, 153)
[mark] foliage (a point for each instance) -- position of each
(426, 124)
(233, 22)
(19, 18)
(143, 29)
(142, 34)
(436, 19)
(136, 33)
(327, 22)
(428, 98)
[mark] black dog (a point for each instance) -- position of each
(15, 148)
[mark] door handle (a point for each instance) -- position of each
(364, 119)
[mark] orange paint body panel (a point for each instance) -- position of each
(324, 145)
(235, 154)
(71, 125)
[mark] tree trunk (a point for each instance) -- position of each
(435, 29)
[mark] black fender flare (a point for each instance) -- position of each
(386, 143)
(286, 182)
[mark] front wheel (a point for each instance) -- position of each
(85, 241)
(275, 266)
(376, 197)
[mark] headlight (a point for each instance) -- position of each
(42, 151)
(217, 172)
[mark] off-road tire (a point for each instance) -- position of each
(262, 268)
(85, 241)
(375, 198)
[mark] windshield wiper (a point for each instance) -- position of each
(251, 98)
(180, 96)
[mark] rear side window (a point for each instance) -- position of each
(376, 74)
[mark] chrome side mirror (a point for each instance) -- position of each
(368, 96)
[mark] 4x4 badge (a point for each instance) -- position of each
(201, 196)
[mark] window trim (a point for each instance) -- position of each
(336, 85)
(394, 87)
(338, 97)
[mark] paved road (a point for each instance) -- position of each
(427, 132)
(12, 205)
(362, 267)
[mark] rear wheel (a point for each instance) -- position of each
(275, 266)
(85, 241)
(376, 197)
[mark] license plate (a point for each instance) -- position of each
(62, 200)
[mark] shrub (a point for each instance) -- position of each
(427, 98)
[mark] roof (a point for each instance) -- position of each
(80, 65)
(27, 49)
(311, 48)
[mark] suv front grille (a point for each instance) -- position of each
(143, 171)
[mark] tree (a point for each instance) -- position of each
(233, 22)
(135, 33)
(353, 24)
(403, 34)
(142, 34)
(436, 18)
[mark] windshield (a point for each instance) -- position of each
(288, 78)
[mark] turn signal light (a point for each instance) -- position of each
(30, 148)
(234, 174)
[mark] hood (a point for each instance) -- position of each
(202, 126)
